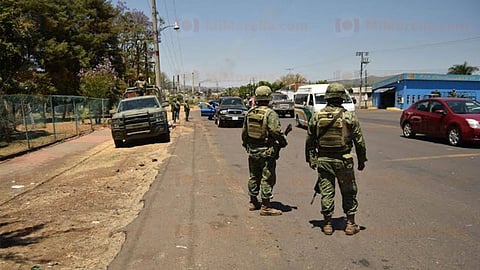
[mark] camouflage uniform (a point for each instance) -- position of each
(335, 162)
(262, 155)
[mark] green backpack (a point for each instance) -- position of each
(257, 123)
(332, 130)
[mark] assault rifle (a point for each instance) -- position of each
(288, 129)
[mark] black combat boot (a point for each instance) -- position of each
(267, 210)
(254, 203)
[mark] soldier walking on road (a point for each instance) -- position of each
(262, 138)
(186, 108)
(177, 109)
(331, 134)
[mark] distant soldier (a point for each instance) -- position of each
(331, 134)
(141, 83)
(262, 137)
(177, 109)
(186, 108)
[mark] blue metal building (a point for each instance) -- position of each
(403, 90)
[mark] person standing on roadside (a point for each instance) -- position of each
(186, 108)
(331, 134)
(261, 134)
(177, 109)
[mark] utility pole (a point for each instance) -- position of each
(193, 83)
(156, 55)
(183, 88)
(363, 61)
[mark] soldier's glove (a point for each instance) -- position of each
(361, 166)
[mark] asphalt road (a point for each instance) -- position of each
(417, 207)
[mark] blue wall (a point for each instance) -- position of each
(409, 88)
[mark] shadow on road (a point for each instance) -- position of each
(282, 207)
(339, 224)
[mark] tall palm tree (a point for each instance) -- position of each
(463, 69)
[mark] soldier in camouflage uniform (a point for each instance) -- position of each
(331, 134)
(262, 137)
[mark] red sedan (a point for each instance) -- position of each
(455, 119)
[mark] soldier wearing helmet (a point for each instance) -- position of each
(331, 134)
(262, 138)
(141, 83)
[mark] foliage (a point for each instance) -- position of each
(15, 45)
(463, 69)
(98, 82)
(48, 42)
(292, 81)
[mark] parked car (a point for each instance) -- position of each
(454, 119)
(214, 102)
(230, 110)
(282, 105)
(139, 118)
(206, 110)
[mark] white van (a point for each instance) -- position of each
(311, 98)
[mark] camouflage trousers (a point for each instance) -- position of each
(262, 176)
(329, 170)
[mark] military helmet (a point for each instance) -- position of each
(335, 90)
(263, 93)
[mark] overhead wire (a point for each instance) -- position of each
(418, 46)
(175, 54)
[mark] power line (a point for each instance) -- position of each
(426, 45)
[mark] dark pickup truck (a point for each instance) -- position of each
(139, 118)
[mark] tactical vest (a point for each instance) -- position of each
(257, 123)
(334, 137)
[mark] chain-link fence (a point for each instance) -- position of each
(28, 122)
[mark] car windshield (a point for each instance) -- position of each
(232, 101)
(135, 104)
(280, 97)
(464, 106)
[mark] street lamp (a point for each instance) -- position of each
(156, 41)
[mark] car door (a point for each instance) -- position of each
(435, 119)
(419, 117)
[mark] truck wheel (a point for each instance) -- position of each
(118, 143)
(166, 137)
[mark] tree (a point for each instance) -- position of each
(136, 42)
(50, 41)
(15, 46)
(463, 69)
(98, 82)
(292, 81)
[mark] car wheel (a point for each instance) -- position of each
(220, 123)
(408, 130)
(454, 137)
(118, 143)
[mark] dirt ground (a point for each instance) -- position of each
(74, 217)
